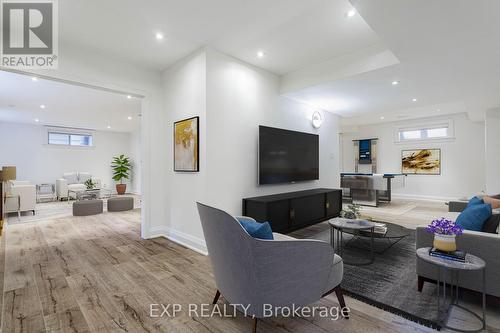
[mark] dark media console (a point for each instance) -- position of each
(294, 210)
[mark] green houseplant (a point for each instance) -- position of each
(121, 170)
(352, 212)
(90, 184)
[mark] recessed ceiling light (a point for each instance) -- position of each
(159, 36)
(414, 100)
(42, 106)
(438, 110)
(261, 54)
(108, 127)
(395, 83)
(34, 79)
(129, 97)
(129, 118)
(351, 13)
(382, 118)
(37, 120)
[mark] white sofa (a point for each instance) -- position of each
(73, 181)
(20, 197)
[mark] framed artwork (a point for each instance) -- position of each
(187, 145)
(421, 162)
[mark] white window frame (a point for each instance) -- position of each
(446, 123)
(68, 131)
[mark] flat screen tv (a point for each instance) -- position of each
(287, 156)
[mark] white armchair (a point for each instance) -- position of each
(73, 181)
(21, 197)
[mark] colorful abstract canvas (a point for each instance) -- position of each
(186, 145)
(421, 162)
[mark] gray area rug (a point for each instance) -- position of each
(390, 283)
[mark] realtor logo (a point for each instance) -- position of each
(29, 34)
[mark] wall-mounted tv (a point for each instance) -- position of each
(287, 156)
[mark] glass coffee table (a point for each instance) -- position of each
(383, 237)
(341, 226)
(90, 194)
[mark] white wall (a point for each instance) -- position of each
(232, 99)
(185, 96)
(41, 163)
(462, 172)
(492, 165)
(135, 156)
(241, 97)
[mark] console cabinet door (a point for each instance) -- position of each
(307, 210)
(278, 215)
(333, 203)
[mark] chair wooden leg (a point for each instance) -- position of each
(420, 283)
(216, 298)
(254, 325)
(340, 297)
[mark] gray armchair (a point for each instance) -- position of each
(280, 272)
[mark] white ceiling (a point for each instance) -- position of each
(449, 53)
(65, 105)
(292, 33)
(445, 53)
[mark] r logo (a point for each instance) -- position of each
(27, 28)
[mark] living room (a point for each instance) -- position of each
(206, 80)
(63, 140)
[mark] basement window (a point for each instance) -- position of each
(69, 139)
(425, 132)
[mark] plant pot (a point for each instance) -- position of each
(121, 188)
(445, 243)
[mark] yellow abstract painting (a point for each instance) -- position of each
(421, 162)
(186, 145)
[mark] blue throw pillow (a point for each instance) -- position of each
(474, 217)
(475, 201)
(256, 229)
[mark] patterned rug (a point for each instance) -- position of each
(390, 283)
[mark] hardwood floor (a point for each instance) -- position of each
(95, 274)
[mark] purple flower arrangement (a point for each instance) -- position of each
(443, 226)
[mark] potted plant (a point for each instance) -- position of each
(90, 184)
(121, 170)
(352, 212)
(445, 234)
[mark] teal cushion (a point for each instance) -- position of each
(256, 229)
(474, 217)
(475, 201)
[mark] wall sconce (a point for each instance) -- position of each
(317, 119)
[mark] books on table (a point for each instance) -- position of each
(455, 255)
(380, 228)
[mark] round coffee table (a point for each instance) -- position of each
(341, 225)
(472, 263)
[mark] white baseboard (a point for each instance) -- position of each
(194, 243)
(422, 197)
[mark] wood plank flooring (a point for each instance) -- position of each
(95, 274)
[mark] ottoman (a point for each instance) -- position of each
(87, 207)
(119, 204)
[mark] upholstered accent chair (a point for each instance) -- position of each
(280, 272)
(21, 197)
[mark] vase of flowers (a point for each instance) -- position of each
(352, 212)
(90, 184)
(445, 234)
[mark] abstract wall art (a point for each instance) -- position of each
(421, 162)
(187, 145)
